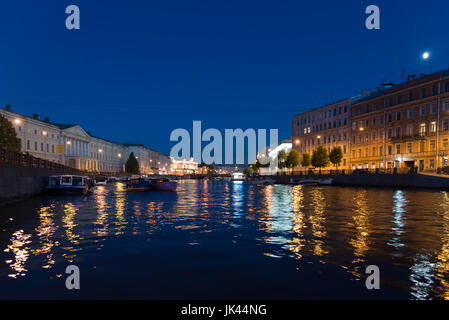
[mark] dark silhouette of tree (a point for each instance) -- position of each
(335, 156)
(8, 136)
(320, 158)
(132, 165)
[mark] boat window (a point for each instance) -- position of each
(77, 181)
(67, 180)
(54, 181)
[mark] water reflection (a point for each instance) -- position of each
(212, 225)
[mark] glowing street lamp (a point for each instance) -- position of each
(297, 141)
(69, 143)
(361, 129)
(426, 55)
(17, 121)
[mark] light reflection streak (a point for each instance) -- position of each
(45, 231)
(69, 224)
(317, 220)
(20, 248)
(398, 225)
(298, 242)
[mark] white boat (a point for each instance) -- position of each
(68, 185)
(326, 182)
(238, 176)
(101, 181)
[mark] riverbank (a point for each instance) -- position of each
(21, 182)
(412, 180)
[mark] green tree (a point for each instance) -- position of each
(132, 165)
(320, 157)
(335, 156)
(305, 162)
(248, 171)
(282, 156)
(8, 137)
(292, 159)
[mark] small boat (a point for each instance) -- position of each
(238, 176)
(101, 181)
(308, 182)
(139, 185)
(326, 182)
(164, 185)
(69, 185)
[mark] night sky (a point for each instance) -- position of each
(136, 70)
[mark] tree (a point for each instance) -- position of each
(132, 165)
(292, 159)
(336, 156)
(248, 171)
(305, 162)
(8, 137)
(256, 166)
(282, 156)
(320, 158)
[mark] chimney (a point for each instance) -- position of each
(8, 107)
(47, 119)
(36, 116)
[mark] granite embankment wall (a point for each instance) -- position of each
(20, 182)
(378, 180)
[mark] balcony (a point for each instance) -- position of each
(408, 138)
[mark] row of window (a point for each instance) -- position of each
(399, 99)
(324, 126)
(324, 115)
(423, 146)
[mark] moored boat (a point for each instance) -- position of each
(101, 181)
(68, 184)
(139, 185)
(164, 185)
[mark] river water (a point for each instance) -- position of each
(228, 240)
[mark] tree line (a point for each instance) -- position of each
(320, 158)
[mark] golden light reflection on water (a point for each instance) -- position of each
(442, 269)
(100, 195)
(362, 227)
(120, 198)
(298, 242)
(69, 225)
(45, 231)
(20, 249)
(317, 220)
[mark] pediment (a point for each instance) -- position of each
(76, 130)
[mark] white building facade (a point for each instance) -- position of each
(71, 145)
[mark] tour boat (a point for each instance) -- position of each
(164, 185)
(139, 185)
(68, 184)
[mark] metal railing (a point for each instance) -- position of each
(27, 160)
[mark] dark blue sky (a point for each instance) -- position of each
(231, 64)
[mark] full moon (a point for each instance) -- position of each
(426, 55)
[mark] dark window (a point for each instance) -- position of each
(434, 90)
(399, 100)
(410, 96)
(390, 117)
(398, 115)
(446, 87)
(423, 92)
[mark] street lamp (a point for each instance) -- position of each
(426, 55)
(297, 141)
(361, 129)
(18, 121)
